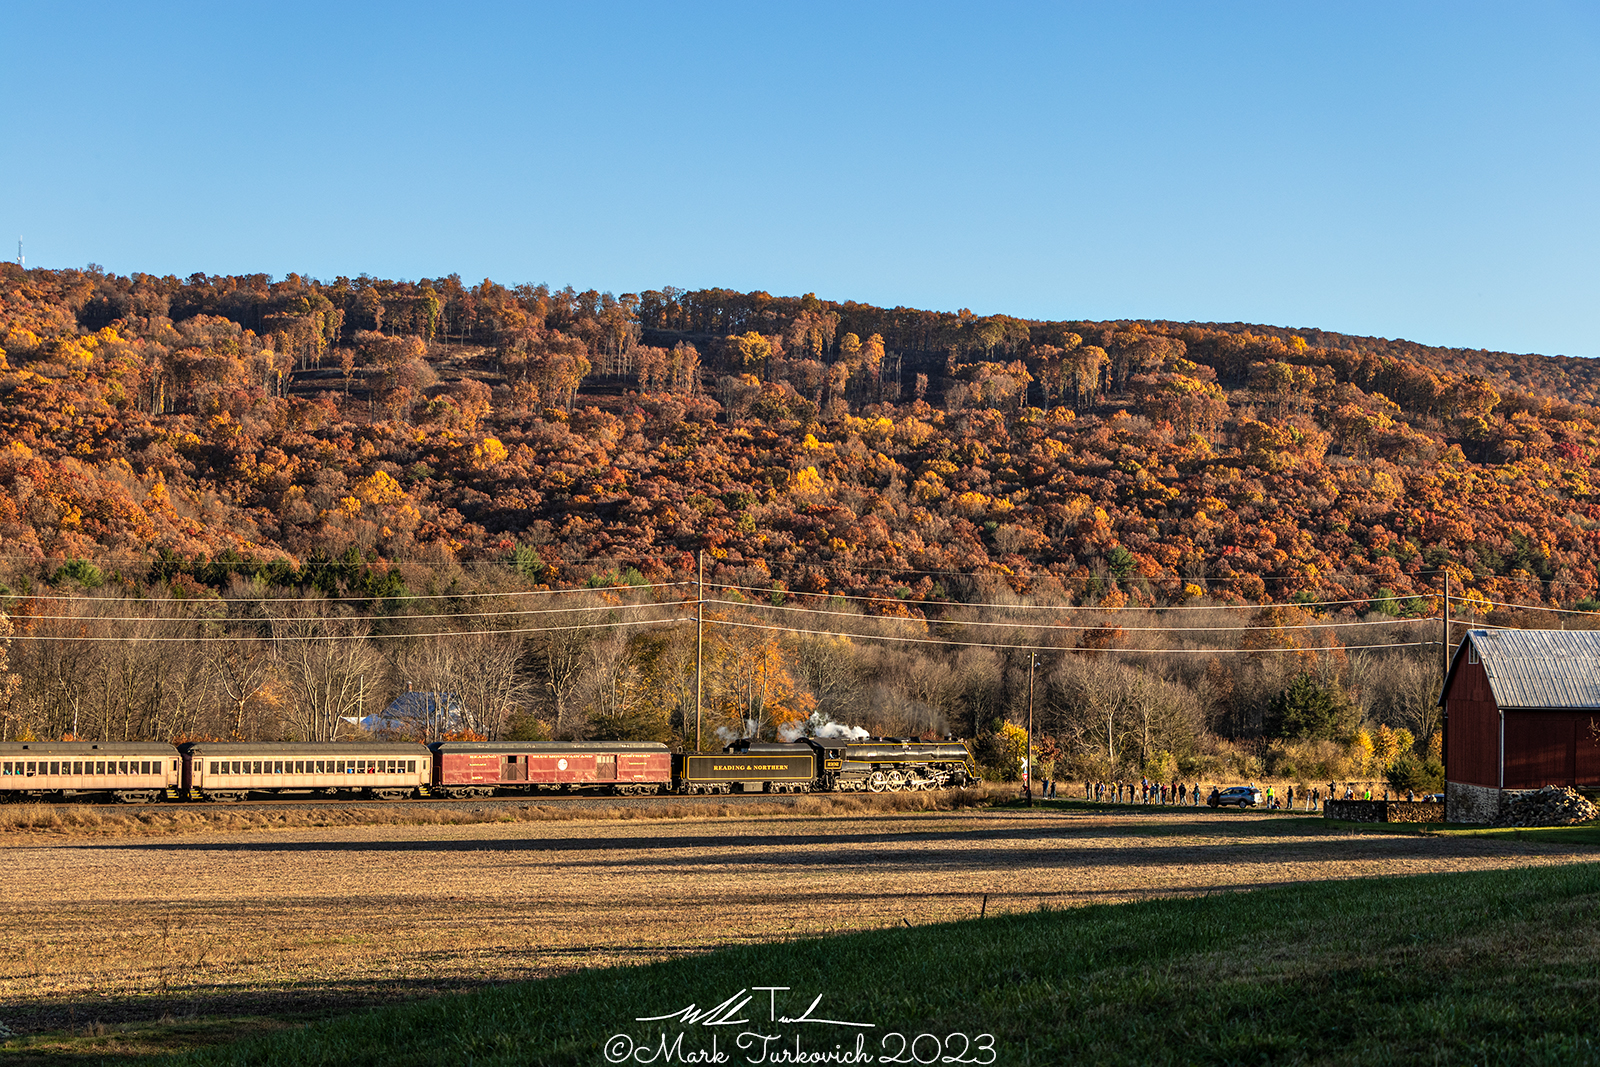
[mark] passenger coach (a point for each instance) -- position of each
(221, 770)
(134, 773)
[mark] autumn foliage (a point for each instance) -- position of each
(365, 440)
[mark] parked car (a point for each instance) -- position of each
(1240, 796)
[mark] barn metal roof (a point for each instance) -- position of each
(1539, 668)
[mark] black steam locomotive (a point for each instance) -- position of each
(873, 765)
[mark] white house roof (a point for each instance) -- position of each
(1538, 668)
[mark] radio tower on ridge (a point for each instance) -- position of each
(21, 262)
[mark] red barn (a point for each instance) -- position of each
(1522, 711)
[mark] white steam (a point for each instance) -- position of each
(728, 737)
(819, 725)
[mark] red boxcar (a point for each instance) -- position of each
(481, 768)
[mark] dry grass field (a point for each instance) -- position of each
(99, 929)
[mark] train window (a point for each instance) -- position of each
(77, 766)
(297, 767)
(30, 768)
(5, 768)
(122, 767)
(318, 764)
(214, 767)
(277, 766)
(411, 766)
(55, 766)
(99, 766)
(144, 766)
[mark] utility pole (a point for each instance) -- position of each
(699, 640)
(1033, 658)
(1444, 678)
(1446, 642)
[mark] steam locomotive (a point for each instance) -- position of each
(231, 771)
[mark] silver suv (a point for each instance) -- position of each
(1240, 796)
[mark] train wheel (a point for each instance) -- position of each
(878, 782)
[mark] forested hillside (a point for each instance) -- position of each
(238, 507)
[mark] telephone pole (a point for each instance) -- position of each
(1446, 641)
(1033, 658)
(699, 639)
(1444, 679)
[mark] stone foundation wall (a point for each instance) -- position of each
(1384, 811)
(1471, 803)
(1354, 810)
(1415, 811)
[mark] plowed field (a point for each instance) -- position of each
(316, 920)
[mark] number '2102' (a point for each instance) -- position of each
(931, 1048)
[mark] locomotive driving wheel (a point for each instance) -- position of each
(897, 781)
(878, 782)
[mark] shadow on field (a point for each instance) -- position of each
(295, 1003)
(1059, 845)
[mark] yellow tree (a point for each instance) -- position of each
(748, 687)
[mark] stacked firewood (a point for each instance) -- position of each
(1550, 806)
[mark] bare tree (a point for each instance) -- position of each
(480, 674)
(323, 663)
(559, 658)
(243, 672)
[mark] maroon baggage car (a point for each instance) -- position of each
(483, 768)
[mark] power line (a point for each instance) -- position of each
(1058, 648)
(373, 596)
(242, 619)
(1307, 604)
(1065, 626)
(302, 638)
(1469, 601)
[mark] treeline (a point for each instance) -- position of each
(1208, 690)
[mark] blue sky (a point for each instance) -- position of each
(1426, 171)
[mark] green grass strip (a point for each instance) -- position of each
(1487, 968)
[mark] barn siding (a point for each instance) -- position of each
(1539, 749)
(1474, 755)
(1587, 745)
